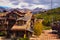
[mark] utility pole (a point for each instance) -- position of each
(51, 10)
(51, 4)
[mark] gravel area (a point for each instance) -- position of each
(46, 35)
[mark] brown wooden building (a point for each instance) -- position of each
(16, 23)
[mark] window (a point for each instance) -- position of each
(21, 22)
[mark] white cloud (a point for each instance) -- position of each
(36, 1)
(35, 6)
(23, 4)
(26, 5)
(40, 6)
(5, 3)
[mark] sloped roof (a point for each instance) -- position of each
(25, 18)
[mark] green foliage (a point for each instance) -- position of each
(38, 27)
(1, 33)
(24, 39)
(49, 16)
(46, 28)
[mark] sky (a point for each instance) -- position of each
(30, 4)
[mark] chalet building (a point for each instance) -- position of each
(16, 23)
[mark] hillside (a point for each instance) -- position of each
(54, 11)
(49, 16)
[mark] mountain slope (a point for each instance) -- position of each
(3, 8)
(37, 10)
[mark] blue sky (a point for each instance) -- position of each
(30, 4)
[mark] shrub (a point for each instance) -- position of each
(38, 28)
(1, 33)
(46, 23)
(24, 39)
